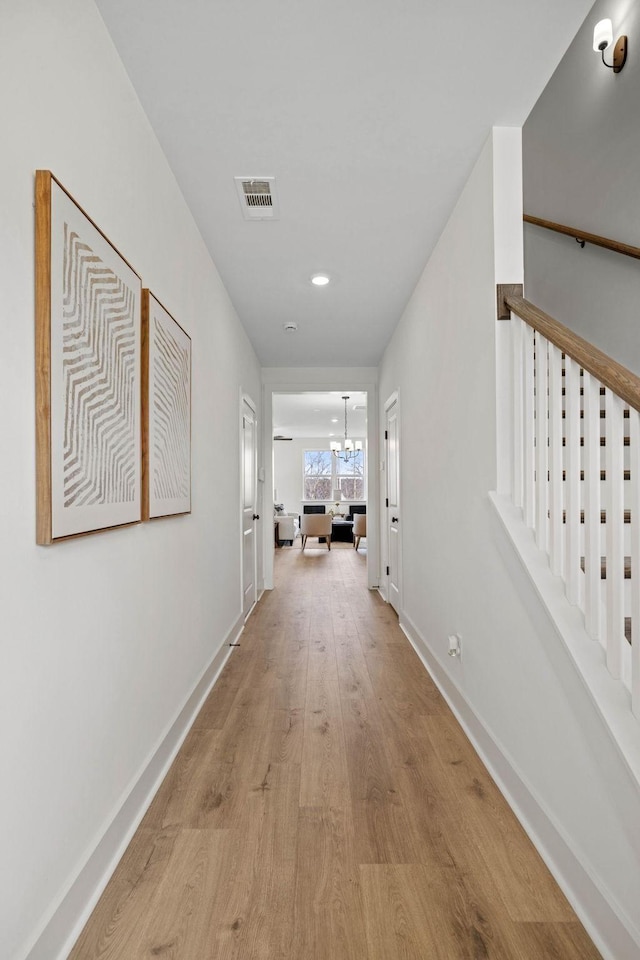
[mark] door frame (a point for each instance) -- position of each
(246, 398)
(319, 380)
(393, 397)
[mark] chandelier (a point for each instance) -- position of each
(351, 448)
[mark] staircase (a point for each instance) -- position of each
(575, 472)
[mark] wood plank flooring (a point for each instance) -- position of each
(327, 806)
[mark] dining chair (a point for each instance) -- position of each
(315, 525)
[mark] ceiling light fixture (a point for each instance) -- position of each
(603, 38)
(290, 327)
(351, 448)
(320, 280)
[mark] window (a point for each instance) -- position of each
(318, 477)
(350, 476)
(324, 473)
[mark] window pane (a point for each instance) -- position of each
(354, 467)
(317, 488)
(352, 488)
(317, 463)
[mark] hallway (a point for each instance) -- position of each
(326, 805)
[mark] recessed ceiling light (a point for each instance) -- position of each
(320, 279)
(334, 420)
(290, 327)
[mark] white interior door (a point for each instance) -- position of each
(249, 506)
(392, 441)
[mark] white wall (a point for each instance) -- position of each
(580, 153)
(287, 470)
(103, 638)
(515, 681)
(288, 459)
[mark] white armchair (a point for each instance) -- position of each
(287, 529)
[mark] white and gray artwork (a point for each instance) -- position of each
(169, 414)
(95, 377)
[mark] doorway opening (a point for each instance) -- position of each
(320, 464)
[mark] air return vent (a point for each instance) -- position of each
(257, 197)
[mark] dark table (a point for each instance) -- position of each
(342, 531)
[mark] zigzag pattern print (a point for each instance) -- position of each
(171, 401)
(99, 372)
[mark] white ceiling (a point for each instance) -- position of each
(369, 113)
(306, 415)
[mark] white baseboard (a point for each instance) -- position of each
(614, 935)
(67, 920)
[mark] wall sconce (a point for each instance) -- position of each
(603, 38)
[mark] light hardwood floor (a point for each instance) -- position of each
(327, 806)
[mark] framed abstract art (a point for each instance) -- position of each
(166, 393)
(88, 373)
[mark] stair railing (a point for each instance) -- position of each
(575, 474)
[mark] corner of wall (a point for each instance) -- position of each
(507, 204)
(508, 268)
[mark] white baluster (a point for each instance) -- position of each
(542, 443)
(556, 554)
(634, 505)
(573, 574)
(592, 560)
(518, 385)
(529, 426)
(614, 458)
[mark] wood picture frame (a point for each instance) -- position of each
(166, 418)
(88, 373)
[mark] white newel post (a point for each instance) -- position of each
(504, 407)
(516, 325)
(529, 426)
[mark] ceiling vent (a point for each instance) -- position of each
(257, 197)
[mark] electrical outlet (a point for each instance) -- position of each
(455, 645)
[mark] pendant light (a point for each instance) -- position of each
(351, 448)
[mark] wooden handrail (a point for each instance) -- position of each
(625, 248)
(609, 372)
